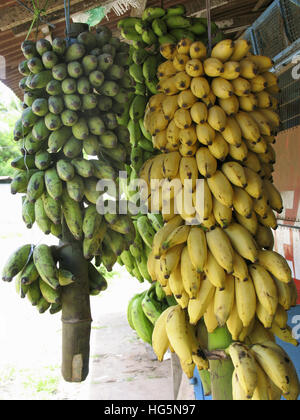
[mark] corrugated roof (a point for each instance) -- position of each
(15, 19)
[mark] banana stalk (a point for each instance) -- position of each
(220, 370)
(76, 312)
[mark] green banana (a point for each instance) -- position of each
(108, 256)
(42, 305)
(145, 133)
(174, 22)
(90, 190)
(53, 183)
(122, 225)
(156, 221)
(96, 279)
(36, 186)
(159, 27)
(73, 216)
(65, 277)
(16, 262)
(72, 148)
(58, 139)
(19, 182)
(43, 160)
(33, 293)
(51, 295)
(44, 262)
(56, 230)
(135, 133)
(136, 72)
(151, 13)
(41, 218)
(23, 163)
(128, 22)
(128, 260)
(160, 294)
(75, 188)
(176, 10)
(55, 308)
(142, 325)
(28, 214)
(52, 208)
(142, 265)
(151, 309)
(149, 37)
(146, 230)
(129, 307)
(137, 107)
(146, 145)
(65, 170)
(83, 167)
(152, 85)
(91, 221)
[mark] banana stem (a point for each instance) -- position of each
(76, 312)
(206, 382)
(220, 370)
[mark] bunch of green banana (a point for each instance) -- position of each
(144, 309)
(73, 133)
(38, 275)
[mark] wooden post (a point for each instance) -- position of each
(76, 312)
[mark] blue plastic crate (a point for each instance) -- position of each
(291, 14)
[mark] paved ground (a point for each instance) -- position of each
(121, 366)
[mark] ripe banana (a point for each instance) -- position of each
(224, 301)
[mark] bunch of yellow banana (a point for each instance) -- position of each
(214, 120)
(262, 371)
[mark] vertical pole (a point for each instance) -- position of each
(76, 312)
(220, 370)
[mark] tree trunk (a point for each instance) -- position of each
(220, 370)
(76, 312)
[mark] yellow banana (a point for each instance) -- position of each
(221, 188)
(182, 118)
(223, 214)
(210, 319)
(231, 70)
(160, 341)
(191, 279)
(284, 334)
(245, 367)
(264, 237)
(177, 237)
(170, 259)
(248, 69)
(245, 298)
(273, 195)
(248, 103)
(261, 206)
(238, 393)
(217, 118)
(252, 162)
(197, 248)
(178, 334)
(223, 50)
(214, 272)
(254, 184)
(210, 99)
(200, 87)
(219, 147)
(206, 163)
(250, 223)
(175, 282)
(198, 50)
(188, 172)
(259, 334)
(249, 127)
(232, 133)
(242, 241)
(151, 261)
(205, 133)
(183, 300)
(230, 105)
(199, 113)
(168, 50)
(262, 62)
(166, 69)
(242, 202)
(179, 61)
(213, 67)
(240, 50)
(167, 86)
(269, 220)
(188, 136)
(173, 133)
(222, 88)
(234, 323)
(272, 117)
(264, 99)
(224, 301)
(155, 102)
(281, 316)
(163, 233)
(271, 78)
(276, 264)
(194, 67)
(272, 362)
(221, 248)
(241, 86)
(240, 152)
(202, 200)
(235, 173)
(265, 288)
(262, 122)
(240, 268)
(258, 84)
(170, 106)
(186, 99)
(182, 80)
(170, 165)
(197, 307)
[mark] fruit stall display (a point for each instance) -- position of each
(161, 105)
